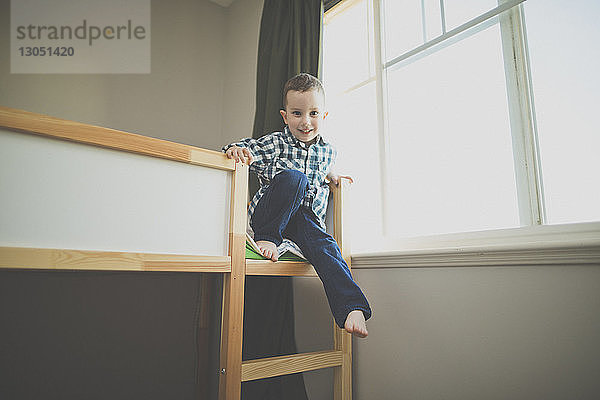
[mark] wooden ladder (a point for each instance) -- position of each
(234, 371)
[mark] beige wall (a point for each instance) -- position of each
(203, 59)
(239, 94)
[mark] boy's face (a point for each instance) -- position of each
(304, 113)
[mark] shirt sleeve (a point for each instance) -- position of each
(332, 157)
(264, 150)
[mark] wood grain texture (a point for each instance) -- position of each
(339, 225)
(279, 268)
(25, 121)
(232, 322)
(65, 259)
(342, 340)
(291, 364)
(342, 375)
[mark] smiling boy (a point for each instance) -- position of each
(293, 167)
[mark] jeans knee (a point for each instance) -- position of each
(291, 177)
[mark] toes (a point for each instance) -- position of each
(356, 331)
(268, 250)
(270, 254)
(355, 327)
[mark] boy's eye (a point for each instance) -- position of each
(296, 113)
(314, 113)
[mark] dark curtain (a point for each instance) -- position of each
(289, 43)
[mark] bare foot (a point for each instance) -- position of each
(355, 324)
(268, 249)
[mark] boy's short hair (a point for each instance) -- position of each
(302, 82)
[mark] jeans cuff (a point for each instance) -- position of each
(366, 311)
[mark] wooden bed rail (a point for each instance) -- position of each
(26, 121)
(64, 259)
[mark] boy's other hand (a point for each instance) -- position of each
(335, 178)
(240, 154)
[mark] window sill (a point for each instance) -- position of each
(570, 244)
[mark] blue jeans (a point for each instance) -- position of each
(280, 213)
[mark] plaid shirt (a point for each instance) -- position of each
(279, 151)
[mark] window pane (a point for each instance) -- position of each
(352, 128)
(409, 24)
(460, 11)
(451, 150)
(403, 24)
(565, 59)
(346, 48)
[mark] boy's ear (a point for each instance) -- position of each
(326, 114)
(284, 115)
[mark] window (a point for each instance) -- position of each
(437, 108)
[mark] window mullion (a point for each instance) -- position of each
(443, 16)
(382, 127)
(522, 121)
(423, 21)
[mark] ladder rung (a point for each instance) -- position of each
(291, 364)
(279, 268)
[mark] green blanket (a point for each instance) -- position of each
(253, 254)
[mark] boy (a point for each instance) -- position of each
(292, 167)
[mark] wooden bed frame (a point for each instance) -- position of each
(33, 253)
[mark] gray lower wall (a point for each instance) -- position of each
(470, 333)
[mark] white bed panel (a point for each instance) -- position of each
(59, 194)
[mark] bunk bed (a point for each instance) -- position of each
(84, 181)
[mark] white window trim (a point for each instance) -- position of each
(569, 244)
(530, 194)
